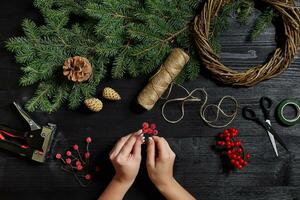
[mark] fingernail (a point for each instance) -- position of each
(139, 132)
(150, 139)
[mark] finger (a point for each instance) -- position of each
(150, 152)
(137, 148)
(128, 146)
(118, 146)
(171, 152)
(167, 145)
(162, 148)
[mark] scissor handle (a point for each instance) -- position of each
(249, 113)
(266, 104)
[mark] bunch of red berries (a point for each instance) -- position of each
(76, 163)
(149, 129)
(233, 148)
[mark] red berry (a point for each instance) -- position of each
(75, 147)
(145, 125)
(227, 134)
(221, 135)
(245, 163)
(229, 152)
(232, 161)
(228, 146)
(226, 131)
(88, 177)
(79, 167)
(153, 126)
(239, 166)
(68, 153)
(240, 150)
(149, 131)
(228, 143)
(227, 138)
(234, 156)
(88, 139)
(238, 143)
(238, 157)
(155, 132)
(87, 155)
(58, 156)
(78, 163)
(232, 130)
(68, 161)
(248, 156)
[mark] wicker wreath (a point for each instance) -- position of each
(281, 59)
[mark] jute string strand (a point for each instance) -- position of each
(160, 81)
(282, 56)
(192, 97)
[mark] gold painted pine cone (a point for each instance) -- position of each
(111, 94)
(94, 104)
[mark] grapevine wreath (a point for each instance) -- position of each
(281, 59)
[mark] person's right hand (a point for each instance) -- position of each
(160, 161)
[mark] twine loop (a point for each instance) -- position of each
(191, 97)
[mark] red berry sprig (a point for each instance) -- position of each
(233, 148)
(75, 164)
(149, 130)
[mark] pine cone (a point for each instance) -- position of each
(111, 94)
(77, 69)
(94, 104)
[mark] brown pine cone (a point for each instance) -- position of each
(77, 69)
(111, 94)
(94, 104)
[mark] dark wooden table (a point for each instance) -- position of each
(198, 168)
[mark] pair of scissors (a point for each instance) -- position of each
(265, 104)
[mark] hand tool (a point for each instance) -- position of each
(34, 144)
(280, 112)
(265, 104)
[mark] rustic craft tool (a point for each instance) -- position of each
(250, 114)
(34, 144)
(280, 112)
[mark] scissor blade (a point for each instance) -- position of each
(276, 136)
(272, 139)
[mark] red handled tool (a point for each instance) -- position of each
(34, 144)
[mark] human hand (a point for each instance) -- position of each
(126, 157)
(160, 161)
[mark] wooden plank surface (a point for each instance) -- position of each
(198, 167)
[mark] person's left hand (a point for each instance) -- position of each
(126, 157)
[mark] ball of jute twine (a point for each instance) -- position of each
(280, 61)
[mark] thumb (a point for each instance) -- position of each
(151, 153)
